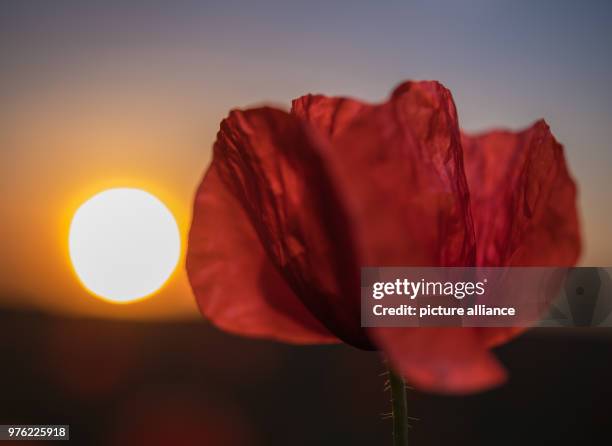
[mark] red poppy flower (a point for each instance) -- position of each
(295, 203)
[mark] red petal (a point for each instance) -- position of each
(448, 360)
(235, 284)
(523, 203)
(331, 116)
(271, 167)
(523, 199)
(399, 168)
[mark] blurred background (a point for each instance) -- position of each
(99, 94)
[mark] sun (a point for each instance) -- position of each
(124, 244)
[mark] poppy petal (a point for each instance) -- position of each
(330, 115)
(399, 169)
(523, 204)
(444, 360)
(523, 199)
(270, 162)
(235, 284)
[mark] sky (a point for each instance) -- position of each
(131, 93)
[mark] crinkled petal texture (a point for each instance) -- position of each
(236, 284)
(523, 199)
(523, 203)
(270, 244)
(295, 203)
(398, 168)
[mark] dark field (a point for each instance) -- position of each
(136, 383)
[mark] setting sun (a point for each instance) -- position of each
(124, 244)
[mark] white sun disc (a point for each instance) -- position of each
(124, 244)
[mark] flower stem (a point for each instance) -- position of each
(400, 409)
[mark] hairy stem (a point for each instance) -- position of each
(400, 409)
